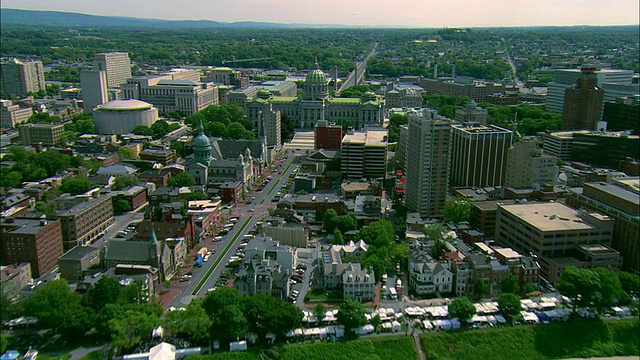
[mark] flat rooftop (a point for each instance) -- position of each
(548, 216)
(24, 226)
(616, 191)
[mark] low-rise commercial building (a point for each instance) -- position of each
(86, 222)
(45, 134)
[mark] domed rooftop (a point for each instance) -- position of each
(263, 94)
(124, 105)
(368, 96)
(316, 76)
(201, 142)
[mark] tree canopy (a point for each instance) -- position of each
(462, 309)
(180, 180)
(509, 305)
(457, 210)
(351, 314)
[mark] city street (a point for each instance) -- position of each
(232, 240)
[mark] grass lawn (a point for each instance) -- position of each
(94, 355)
(394, 347)
(241, 355)
(576, 339)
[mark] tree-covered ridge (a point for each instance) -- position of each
(481, 53)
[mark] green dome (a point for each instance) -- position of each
(264, 94)
(201, 142)
(316, 77)
(368, 96)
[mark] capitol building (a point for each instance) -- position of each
(313, 105)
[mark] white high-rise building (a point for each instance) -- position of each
(566, 78)
(427, 164)
(21, 77)
(94, 89)
(116, 64)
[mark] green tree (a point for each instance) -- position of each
(610, 288)
(509, 284)
(219, 298)
(328, 222)
(57, 307)
(630, 282)
(121, 206)
(379, 233)
(345, 223)
(580, 285)
(133, 294)
(266, 314)
(192, 324)
(126, 152)
(438, 249)
(338, 239)
(180, 180)
(527, 288)
(457, 210)
(319, 312)
(159, 129)
(229, 324)
(434, 231)
(85, 126)
(10, 180)
(462, 309)
(77, 186)
(105, 291)
(509, 305)
(123, 182)
(142, 130)
(134, 325)
(4, 342)
(351, 314)
(480, 287)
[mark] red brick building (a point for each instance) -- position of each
(328, 136)
(36, 241)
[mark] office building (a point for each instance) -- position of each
(13, 278)
(428, 160)
(266, 119)
(559, 144)
(45, 134)
(621, 203)
(11, 114)
(583, 104)
(622, 114)
(169, 95)
(36, 241)
(404, 96)
(85, 222)
(605, 149)
(94, 89)
(476, 90)
(472, 113)
(529, 167)
(116, 65)
(22, 77)
(479, 154)
(121, 116)
(328, 136)
(567, 78)
(552, 232)
(364, 154)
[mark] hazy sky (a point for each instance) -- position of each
(420, 13)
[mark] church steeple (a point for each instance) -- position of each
(202, 147)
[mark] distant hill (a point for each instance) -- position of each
(67, 19)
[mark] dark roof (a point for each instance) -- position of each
(225, 149)
(78, 253)
(127, 251)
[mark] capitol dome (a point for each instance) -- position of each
(263, 94)
(368, 96)
(316, 76)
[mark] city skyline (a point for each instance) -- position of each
(412, 13)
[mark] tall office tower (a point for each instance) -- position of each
(21, 77)
(583, 104)
(265, 119)
(116, 64)
(364, 154)
(94, 89)
(566, 78)
(529, 167)
(623, 114)
(479, 155)
(428, 160)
